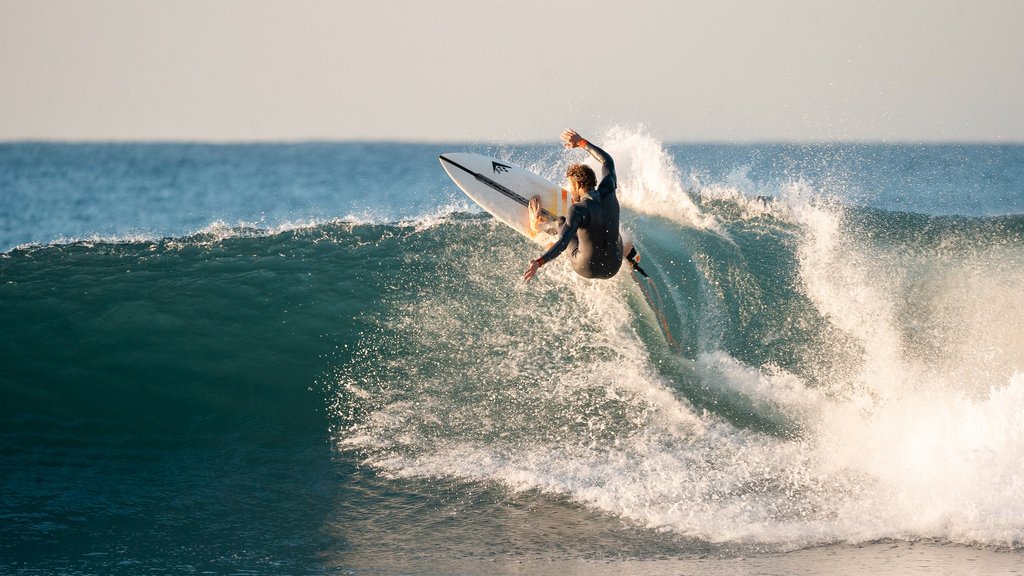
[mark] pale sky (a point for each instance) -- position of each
(515, 70)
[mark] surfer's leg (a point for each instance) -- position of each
(631, 256)
(629, 252)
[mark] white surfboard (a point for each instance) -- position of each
(504, 190)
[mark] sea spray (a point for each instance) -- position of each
(650, 182)
(785, 427)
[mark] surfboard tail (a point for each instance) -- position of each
(653, 298)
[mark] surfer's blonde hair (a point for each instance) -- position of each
(582, 175)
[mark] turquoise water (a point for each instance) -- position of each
(320, 358)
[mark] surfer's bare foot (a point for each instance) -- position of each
(535, 217)
(631, 255)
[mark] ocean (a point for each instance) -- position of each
(321, 358)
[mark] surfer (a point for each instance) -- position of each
(591, 232)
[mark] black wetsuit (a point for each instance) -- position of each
(591, 232)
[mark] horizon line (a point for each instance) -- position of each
(498, 142)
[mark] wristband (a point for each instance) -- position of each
(539, 260)
(583, 143)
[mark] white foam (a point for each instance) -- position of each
(769, 392)
(441, 215)
(220, 230)
(751, 206)
(938, 464)
(933, 399)
(649, 180)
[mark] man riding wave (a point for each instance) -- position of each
(591, 231)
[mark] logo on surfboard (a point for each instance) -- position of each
(499, 168)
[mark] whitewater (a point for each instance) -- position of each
(300, 358)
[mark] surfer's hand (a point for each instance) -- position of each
(571, 139)
(532, 270)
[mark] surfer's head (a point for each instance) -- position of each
(582, 179)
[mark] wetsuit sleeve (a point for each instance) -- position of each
(608, 182)
(578, 217)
